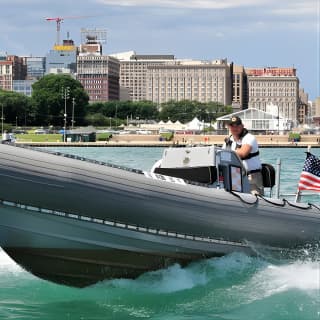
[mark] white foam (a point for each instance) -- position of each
(7, 264)
(177, 278)
(235, 262)
(172, 279)
(273, 279)
(298, 275)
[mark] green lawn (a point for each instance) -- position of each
(32, 137)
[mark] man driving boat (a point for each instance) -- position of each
(246, 146)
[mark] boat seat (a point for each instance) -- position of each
(268, 175)
(206, 175)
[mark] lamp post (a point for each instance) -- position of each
(72, 121)
(2, 119)
(65, 94)
(278, 121)
(116, 115)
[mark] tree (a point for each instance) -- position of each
(186, 110)
(124, 109)
(15, 106)
(97, 119)
(48, 99)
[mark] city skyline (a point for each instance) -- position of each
(249, 33)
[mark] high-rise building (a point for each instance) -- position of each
(6, 73)
(239, 89)
(304, 114)
(133, 73)
(23, 86)
(92, 41)
(99, 76)
(11, 68)
(98, 73)
(279, 86)
(315, 111)
(161, 78)
(316, 108)
(62, 59)
(202, 81)
(35, 70)
(36, 67)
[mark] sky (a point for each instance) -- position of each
(252, 33)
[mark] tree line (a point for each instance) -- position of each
(55, 97)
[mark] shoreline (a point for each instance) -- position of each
(264, 141)
(142, 145)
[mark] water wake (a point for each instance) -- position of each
(7, 264)
(230, 286)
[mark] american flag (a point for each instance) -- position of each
(310, 175)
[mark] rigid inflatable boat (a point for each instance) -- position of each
(76, 221)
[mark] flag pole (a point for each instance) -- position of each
(298, 194)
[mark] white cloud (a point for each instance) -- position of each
(283, 7)
(298, 8)
(21, 2)
(186, 4)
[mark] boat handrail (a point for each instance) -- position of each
(72, 156)
(274, 201)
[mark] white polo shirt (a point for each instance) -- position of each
(253, 163)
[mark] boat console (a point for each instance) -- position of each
(211, 165)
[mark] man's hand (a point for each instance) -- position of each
(228, 141)
(244, 151)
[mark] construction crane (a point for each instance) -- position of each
(59, 20)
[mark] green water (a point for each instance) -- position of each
(232, 287)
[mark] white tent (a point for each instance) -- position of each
(195, 124)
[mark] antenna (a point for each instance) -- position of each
(91, 36)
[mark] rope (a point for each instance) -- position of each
(244, 201)
(313, 205)
(297, 206)
(274, 203)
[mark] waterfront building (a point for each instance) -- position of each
(133, 73)
(161, 78)
(279, 86)
(99, 76)
(316, 108)
(11, 68)
(35, 70)
(98, 73)
(202, 81)
(304, 114)
(6, 74)
(258, 121)
(239, 88)
(23, 86)
(36, 67)
(315, 111)
(62, 58)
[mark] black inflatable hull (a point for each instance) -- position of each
(78, 222)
